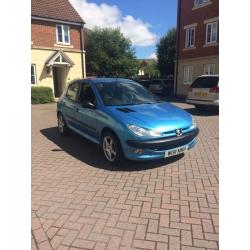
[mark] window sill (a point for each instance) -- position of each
(191, 48)
(187, 83)
(63, 45)
(210, 45)
(202, 5)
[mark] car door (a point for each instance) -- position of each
(86, 112)
(70, 104)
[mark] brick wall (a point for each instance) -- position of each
(190, 16)
(44, 34)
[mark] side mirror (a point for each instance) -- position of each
(88, 105)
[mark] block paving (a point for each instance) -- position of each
(80, 202)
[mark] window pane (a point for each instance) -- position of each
(72, 92)
(59, 33)
(192, 37)
(33, 76)
(187, 39)
(66, 33)
(208, 33)
(214, 32)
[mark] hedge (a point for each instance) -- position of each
(41, 95)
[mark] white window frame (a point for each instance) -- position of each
(210, 68)
(63, 34)
(211, 34)
(188, 41)
(34, 69)
(200, 2)
(187, 74)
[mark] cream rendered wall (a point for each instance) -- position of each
(40, 56)
(198, 67)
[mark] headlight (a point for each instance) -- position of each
(143, 131)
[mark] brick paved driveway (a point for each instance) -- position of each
(79, 202)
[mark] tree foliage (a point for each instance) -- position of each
(151, 70)
(110, 54)
(166, 53)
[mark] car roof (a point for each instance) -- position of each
(105, 80)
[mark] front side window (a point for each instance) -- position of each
(125, 93)
(87, 94)
(73, 92)
(33, 74)
(190, 37)
(62, 34)
(209, 69)
(211, 32)
(188, 75)
(200, 2)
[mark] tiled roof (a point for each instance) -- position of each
(55, 9)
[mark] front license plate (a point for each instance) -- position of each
(176, 151)
(200, 94)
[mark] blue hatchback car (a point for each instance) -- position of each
(125, 119)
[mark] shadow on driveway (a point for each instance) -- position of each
(203, 112)
(91, 154)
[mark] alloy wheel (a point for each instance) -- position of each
(109, 148)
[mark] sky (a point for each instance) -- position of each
(144, 22)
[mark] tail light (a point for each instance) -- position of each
(189, 89)
(214, 90)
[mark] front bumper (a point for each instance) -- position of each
(201, 102)
(155, 149)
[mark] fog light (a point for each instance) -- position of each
(138, 151)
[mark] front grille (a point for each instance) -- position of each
(165, 143)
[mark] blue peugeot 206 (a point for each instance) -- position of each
(125, 119)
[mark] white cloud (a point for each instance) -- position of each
(153, 56)
(105, 15)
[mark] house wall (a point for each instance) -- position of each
(198, 67)
(201, 54)
(40, 56)
(43, 34)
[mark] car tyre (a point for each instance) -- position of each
(62, 127)
(111, 148)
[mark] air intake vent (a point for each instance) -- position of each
(125, 110)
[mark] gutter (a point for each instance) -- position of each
(177, 47)
(56, 20)
(82, 50)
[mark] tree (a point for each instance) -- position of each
(166, 53)
(149, 67)
(110, 54)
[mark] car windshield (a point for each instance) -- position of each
(125, 93)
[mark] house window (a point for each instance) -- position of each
(33, 74)
(200, 2)
(188, 75)
(209, 69)
(190, 37)
(211, 32)
(62, 34)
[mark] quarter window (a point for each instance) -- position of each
(188, 75)
(62, 34)
(209, 69)
(73, 92)
(33, 74)
(211, 32)
(190, 37)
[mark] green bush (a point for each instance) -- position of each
(41, 95)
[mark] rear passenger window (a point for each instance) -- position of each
(205, 82)
(73, 92)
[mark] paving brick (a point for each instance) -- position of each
(80, 202)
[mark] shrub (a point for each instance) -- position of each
(41, 95)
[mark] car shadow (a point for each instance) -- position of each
(90, 153)
(203, 112)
